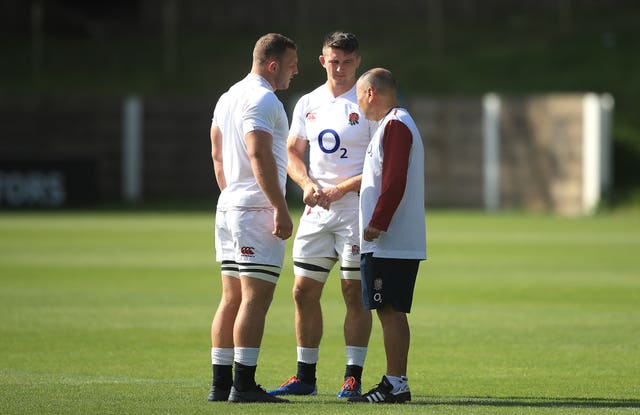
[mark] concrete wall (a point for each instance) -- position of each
(451, 129)
(541, 153)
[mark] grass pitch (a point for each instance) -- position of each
(109, 313)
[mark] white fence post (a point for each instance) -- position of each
(591, 146)
(491, 151)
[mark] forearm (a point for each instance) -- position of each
(298, 172)
(216, 156)
(297, 169)
(219, 173)
(332, 194)
(352, 184)
(266, 174)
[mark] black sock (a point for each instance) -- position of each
(245, 377)
(307, 373)
(223, 376)
(355, 371)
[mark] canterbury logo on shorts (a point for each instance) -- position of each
(247, 251)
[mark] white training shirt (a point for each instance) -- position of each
(338, 135)
(247, 106)
(406, 236)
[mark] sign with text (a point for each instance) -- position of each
(47, 184)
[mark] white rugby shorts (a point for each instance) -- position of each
(327, 234)
(245, 246)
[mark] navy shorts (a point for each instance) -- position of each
(388, 281)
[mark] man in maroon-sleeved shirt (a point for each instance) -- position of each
(392, 223)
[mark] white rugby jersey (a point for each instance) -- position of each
(405, 237)
(338, 135)
(247, 106)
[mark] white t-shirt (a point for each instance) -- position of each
(247, 106)
(406, 236)
(338, 135)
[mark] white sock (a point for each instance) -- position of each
(222, 356)
(399, 383)
(356, 355)
(247, 356)
(308, 355)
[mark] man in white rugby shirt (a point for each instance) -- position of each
(329, 123)
(248, 147)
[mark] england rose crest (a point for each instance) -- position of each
(354, 118)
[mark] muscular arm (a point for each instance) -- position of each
(297, 170)
(352, 184)
(259, 148)
(216, 155)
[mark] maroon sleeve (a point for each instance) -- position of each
(396, 145)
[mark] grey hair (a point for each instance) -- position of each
(379, 79)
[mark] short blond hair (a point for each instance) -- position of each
(271, 46)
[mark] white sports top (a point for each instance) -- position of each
(406, 236)
(247, 106)
(338, 135)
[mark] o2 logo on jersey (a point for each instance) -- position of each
(331, 136)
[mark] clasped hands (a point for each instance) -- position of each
(314, 195)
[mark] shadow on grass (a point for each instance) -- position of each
(505, 401)
(541, 402)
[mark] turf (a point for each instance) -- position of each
(109, 313)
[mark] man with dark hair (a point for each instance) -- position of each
(328, 123)
(248, 147)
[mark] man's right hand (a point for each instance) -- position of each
(310, 194)
(282, 224)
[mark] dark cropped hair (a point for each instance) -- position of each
(271, 45)
(345, 41)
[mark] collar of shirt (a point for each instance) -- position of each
(260, 79)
